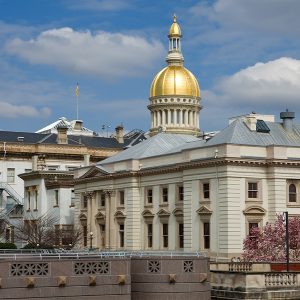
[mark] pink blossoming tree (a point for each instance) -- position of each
(267, 244)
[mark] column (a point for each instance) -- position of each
(180, 117)
(169, 117)
(163, 117)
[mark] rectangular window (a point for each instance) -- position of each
(102, 200)
(206, 235)
(67, 232)
(121, 198)
(56, 198)
(165, 195)
(35, 200)
(85, 235)
(180, 193)
(149, 235)
(10, 175)
(85, 202)
(252, 225)
(72, 198)
(180, 235)
(121, 235)
(149, 196)
(252, 190)
(28, 200)
(165, 235)
(102, 233)
(206, 190)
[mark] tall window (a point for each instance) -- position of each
(85, 202)
(102, 199)
(121, 235)
(35, 200)
(292, 193)
(149, 235)
(252, 190)
(165, 235)
(56, 200)
(180, 235)
(165, 195)
(206, 190)
(85, 235)
(206, 235)
(10, 175)
(121, 198)
(180, 193)
(28, 200)
(149, 196)
(102, 233)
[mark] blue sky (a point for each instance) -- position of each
(245, 55)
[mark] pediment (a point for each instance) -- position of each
(147, 214)
(204, 210)
(100, 216)
(94, 172)
(254, 210)
(82, 217)
(178, 212)
(120, 215)
(163, 213)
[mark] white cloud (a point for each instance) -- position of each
(104, 54)
(98, 5)
(274, 82)
(14, 111)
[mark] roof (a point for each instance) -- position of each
(80, 140)
(239, 133)
(162, 143)
(52, 128)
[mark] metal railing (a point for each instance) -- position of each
(41, 254)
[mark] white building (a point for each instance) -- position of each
(175, 191)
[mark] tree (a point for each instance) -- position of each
(267, 244)
(46, 232)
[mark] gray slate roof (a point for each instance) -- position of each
(160, 144)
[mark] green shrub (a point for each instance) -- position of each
(8, 246)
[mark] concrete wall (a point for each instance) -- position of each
(95, 277)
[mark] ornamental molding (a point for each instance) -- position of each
(82, 217)
(162, 213)
(119, 215)
(147, 213)
(254, 210)
(204, 210)
(178, 212)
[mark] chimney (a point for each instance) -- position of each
(251, 122)
(78, 125)
(62, 137)
(120, 134)
(287, 120)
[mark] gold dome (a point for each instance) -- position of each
(175, 80)
(175, 28)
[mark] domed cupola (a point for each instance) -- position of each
(175, 93)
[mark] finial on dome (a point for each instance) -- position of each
(174, 18)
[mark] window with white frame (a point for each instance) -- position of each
(164, 195)
(180, 193)
(206, 235)
(252, 190)
(121, 235)
(121, 198)
(165, 235)
(292, 193)
(206, 190)
(149, 235)
(10, 175)
(149, 196)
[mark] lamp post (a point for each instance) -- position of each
(287, 246)
(91, 240)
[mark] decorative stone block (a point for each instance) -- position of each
(121, 279)
(30, 282)
(92, 280)
(62, 281)
(172, 278)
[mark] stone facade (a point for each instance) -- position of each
(97, 276)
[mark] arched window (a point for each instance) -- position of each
(292, 193)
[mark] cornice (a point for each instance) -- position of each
(193, 165)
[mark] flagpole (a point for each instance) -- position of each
(77, 94)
